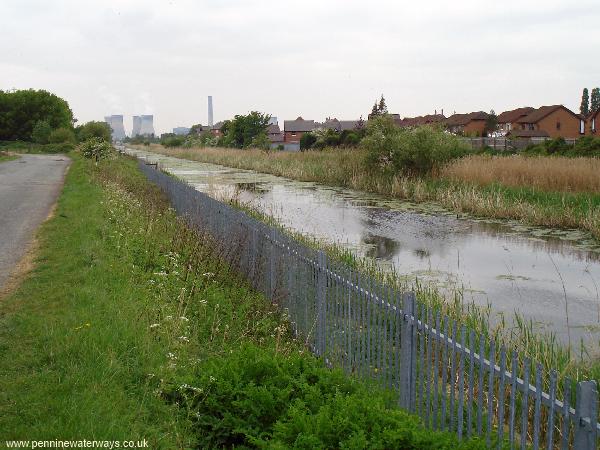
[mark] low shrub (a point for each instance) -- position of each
(255, 398)
(95, 148)
(411, 151)
(61, 136)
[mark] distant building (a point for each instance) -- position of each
(339, 125)
(555, 120)
(137, 126)
(275, 135)
(216, 129)
(273, 121)
(507, 121)
(471, 124)
(181, 131)
(294, 129)
(429, 119)
(115, 122)
(592, 123)
(147, 125)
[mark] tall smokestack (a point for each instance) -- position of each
(210, 111)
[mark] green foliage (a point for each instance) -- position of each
(172, 140)
(41, 132)
(245, 130)
(491, 123)
(307, 140)
(195, 130)
(20, 111)
(379, 109)
(584, 146)
(254, 398)
(93, 129)
(95, 148)
(584, 108)
(595, 102)
(410, 151)
(61, 136)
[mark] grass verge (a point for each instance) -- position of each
(130, 327)
(345, 168)
(5, 156)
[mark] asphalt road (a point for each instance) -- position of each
(29, 186)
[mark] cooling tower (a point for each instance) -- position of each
(115, 122)
(210, 111)
(147, 126)
(137, 126)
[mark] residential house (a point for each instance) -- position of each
(555, 120)
(339, 125)
(471, 124)
(216, 129)
(593, 124)
(508, 119)
(294, 129)
(275, 135)
(429, 119)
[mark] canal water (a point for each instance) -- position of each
(543, 274)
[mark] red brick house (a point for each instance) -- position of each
(508, 119)
(556, 120)
(294, 129)
(592, 124)
(429, 119)
(216, 129)
(471, 124)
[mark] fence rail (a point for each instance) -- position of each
(453, 379)
(508, 143)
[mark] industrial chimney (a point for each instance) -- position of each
(210, 111)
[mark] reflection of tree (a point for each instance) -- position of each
(380, 247)
(421, 253)
(252, 187)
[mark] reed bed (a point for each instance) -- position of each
(549, 174)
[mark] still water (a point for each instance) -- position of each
(541, 273)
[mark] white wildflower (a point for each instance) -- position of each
(154, 325)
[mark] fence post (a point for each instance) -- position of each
(272, 275)
(253, 256)
(586, 416)
(407, 348)
(321, 293)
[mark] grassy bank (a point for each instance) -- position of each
(130, 327)
(5, 156)
(531, 195)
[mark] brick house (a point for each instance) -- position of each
(294, 129)
(593, 124)
(275, 135)
(216, 129)
(471, 124)
(339, 125)
(556, 120)
(508, 119)
(429, 119)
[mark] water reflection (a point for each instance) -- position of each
(510, 265)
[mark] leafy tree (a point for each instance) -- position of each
(595, 103)
(491, 123)
(41, 132)
(245, 130)
(95, 148)
(21, 110)
(94, 129)
(196, 129)
(62, 136)
(307, 140)
(585, 103)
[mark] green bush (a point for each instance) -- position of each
(41, 132)
(411, 151)
(61, 136)
(100, 130)
(256, 398)
(307, 140)
(95, 148)
(173, 141)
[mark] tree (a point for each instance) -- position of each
(196, 129)
(95, 148)
(93, 129)
(307, 140)
(21, 110)
(244, 130)
(382, 108)
(584, 109)
(41, 132)
(62, 136)
(595, 103)
(491, 123)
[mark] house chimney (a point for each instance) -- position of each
(210, 111)
(435, 112)
(442, 111)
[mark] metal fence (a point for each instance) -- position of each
(453, 379)
(507, 143)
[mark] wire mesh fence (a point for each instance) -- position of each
(452, 378)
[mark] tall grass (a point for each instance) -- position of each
(549, 174)
(346, 168)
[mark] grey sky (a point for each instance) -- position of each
(314, 58)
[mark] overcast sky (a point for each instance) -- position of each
(314, 58)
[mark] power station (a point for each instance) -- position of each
(210, 111)
(115, 122)
(146, 125)
(137, 126)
